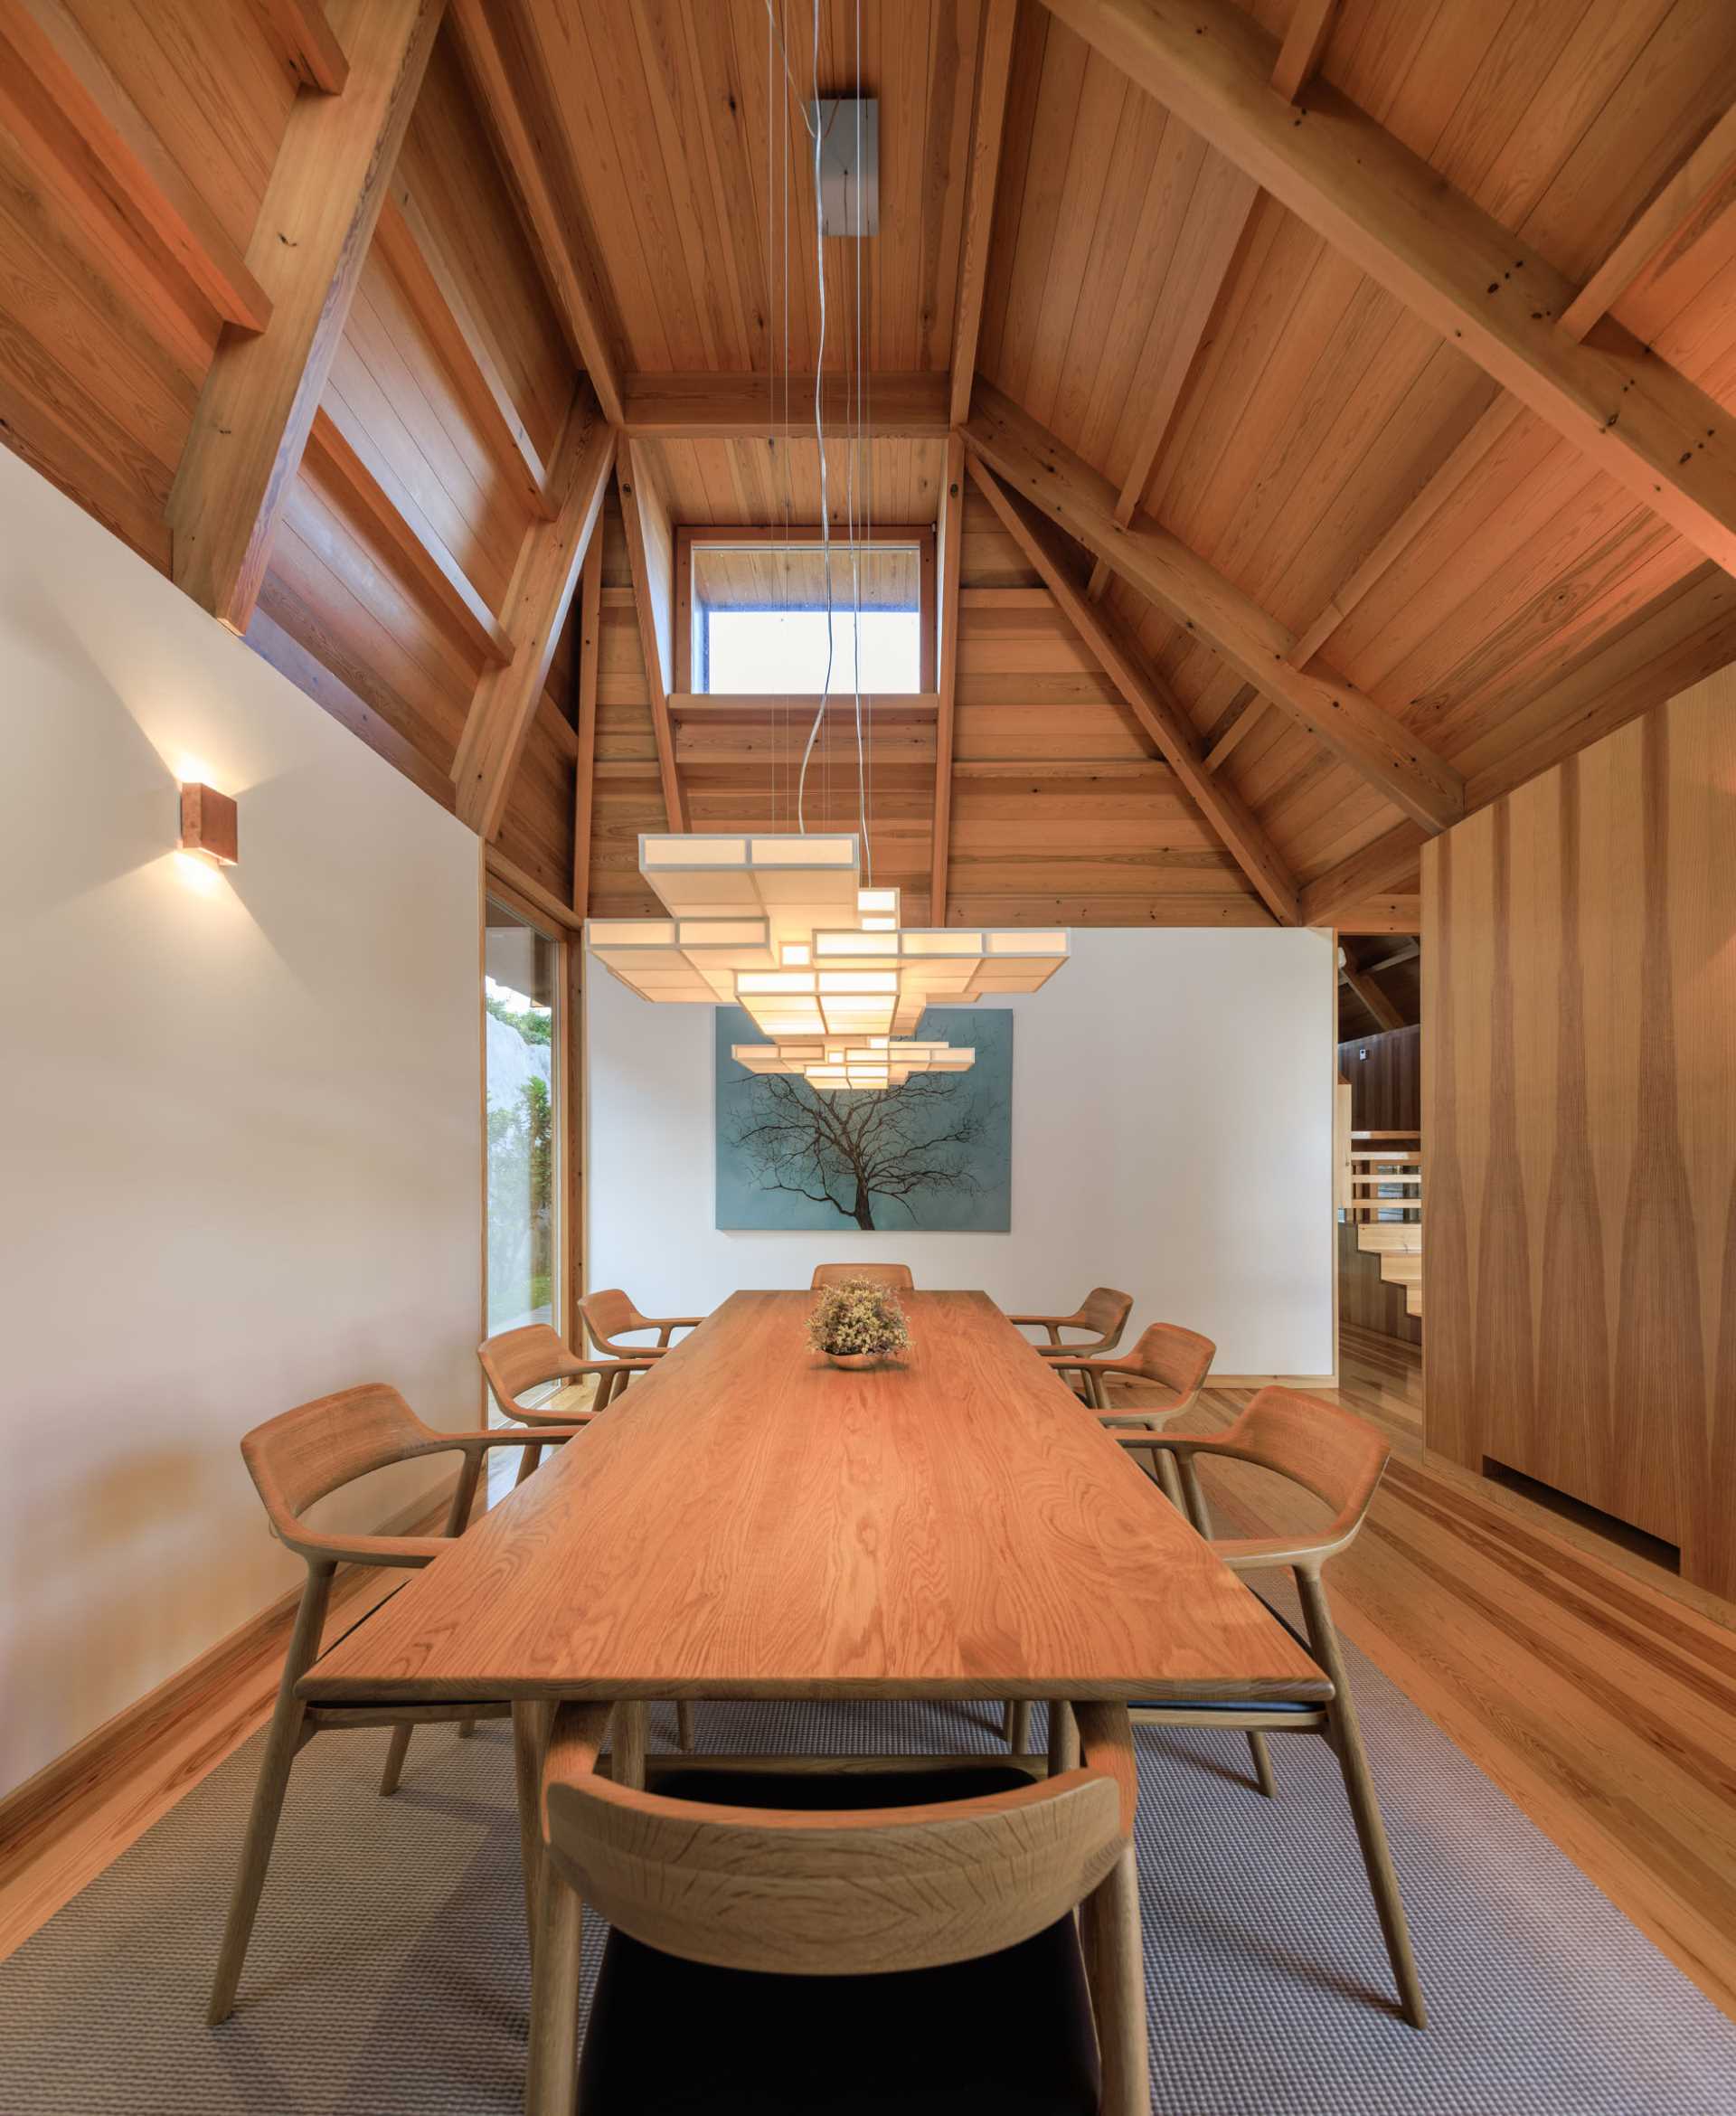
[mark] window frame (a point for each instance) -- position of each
(690, 539)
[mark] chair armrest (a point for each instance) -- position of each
(508, 1436)
(365, 1550)
(543, 1422)
(663, 1325)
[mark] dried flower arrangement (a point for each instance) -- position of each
(857, 1322)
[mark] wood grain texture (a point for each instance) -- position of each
(315, 223)
(956, 1525)
(1576, 1275)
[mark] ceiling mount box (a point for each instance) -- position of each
(849, 130)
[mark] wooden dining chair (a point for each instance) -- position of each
(1166, 1358)
(610, 1314)
(1103, 1314)
(532, 1356)
(300, 1457)
(822, 1936)
(1339, 1459)
(894, 1278)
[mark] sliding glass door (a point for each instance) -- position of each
(522, 1026)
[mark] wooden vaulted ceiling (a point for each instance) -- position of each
(1325, 407)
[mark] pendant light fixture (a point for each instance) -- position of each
(787, 925)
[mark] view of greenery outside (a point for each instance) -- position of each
(522, 1160)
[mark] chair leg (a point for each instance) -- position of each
(1169, 1477)
(554, 1999)
(1198, 1512)
(1018, 1726)
(1346, 1735)
(528, 1459)
(685, 1725)
(1114, 1968)
(280, 1745)
(1261, 1755)
(1063, 1737)
(464, 1494)
(626, 1745)
(395, 1755)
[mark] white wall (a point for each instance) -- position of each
(239, 1116)
(1172, 1135)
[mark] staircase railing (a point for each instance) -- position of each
(1385, 1175)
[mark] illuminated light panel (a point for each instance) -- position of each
(781, 925)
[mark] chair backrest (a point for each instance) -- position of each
(1176, 1358)
(897, 1278)
(1327, 1451)
(608, 1315)
(1106, 1311)
(850, 1892)
(303, 1454)
(522, 1359)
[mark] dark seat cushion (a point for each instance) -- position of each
(1007, 2034)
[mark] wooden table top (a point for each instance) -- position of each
(749, 1521)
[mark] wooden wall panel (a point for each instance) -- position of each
(1580, 1130)
(1386, 1085)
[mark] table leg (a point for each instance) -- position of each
(1110, 1926)
(531, 1723)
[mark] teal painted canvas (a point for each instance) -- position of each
(935, 1153)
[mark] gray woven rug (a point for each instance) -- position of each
(388, 1971)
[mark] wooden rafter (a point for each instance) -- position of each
(949, 536)
(1354, 727)
(1303, 42)
(650, 550)
(364, 470)
(537, 602)
(745, 407)
(1700, 190)
(1368, 990)
(465, 341)
(50, 70)
(316, 221)
(1148, 699)
(994, 68)
(1218, 755)
(1389, 213)
(1369, 872)
(509, 86)
(584, 789)
(301, 31)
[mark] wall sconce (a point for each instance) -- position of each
(208, 825)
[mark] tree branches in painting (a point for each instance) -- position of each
(849, 1150)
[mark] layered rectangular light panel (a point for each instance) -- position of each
(781, 926)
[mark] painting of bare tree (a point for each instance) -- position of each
(934, 1153)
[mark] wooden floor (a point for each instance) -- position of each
(1601, 1702)
(1575, 1675)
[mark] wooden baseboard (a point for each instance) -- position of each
(60, 1828)
(1215, 1380)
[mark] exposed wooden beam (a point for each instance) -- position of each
(1242, 725)
(584, 788)
(1223, 197)
(1303, 42)
(537, 602)
(993, 67)
(302, 33)
(315, 224)
(1148, 699)
(500, 868)
(745, 407)
(1354, 727)
(650, 550)
(1387, 210)
(1697, 193)
(1372, 872)
(463, 340)
(356, 458)
(508, 80)
(1368, 990)
(949, 535)
(1383, 914)
(46, 61)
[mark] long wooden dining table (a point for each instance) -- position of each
(749, 1521)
